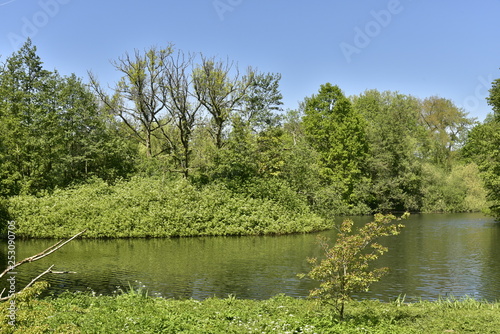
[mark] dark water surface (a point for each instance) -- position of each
(435, 255)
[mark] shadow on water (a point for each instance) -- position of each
(435, 255)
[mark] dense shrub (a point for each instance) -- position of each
(155, 207)
(459, 190)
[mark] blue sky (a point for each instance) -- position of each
(419, 47)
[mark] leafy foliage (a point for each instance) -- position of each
(483, 147)
(53, 133)
(446, 127)
(458, 190)
(393, 133)
(337, 132)
(152, 207)
(346, 267)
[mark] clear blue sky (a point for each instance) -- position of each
(419, 47)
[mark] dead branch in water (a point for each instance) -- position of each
(40, 255)
(36, 257)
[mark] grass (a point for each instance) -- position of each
(136, 312)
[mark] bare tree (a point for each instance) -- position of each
(219, 92)
(183, 109)
(140, 97)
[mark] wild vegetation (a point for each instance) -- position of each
(181, 137)
(152, 207)
(189, 145)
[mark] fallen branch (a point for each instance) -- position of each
(43, 254)
(36, 257)
(36, 278)
(28, 285)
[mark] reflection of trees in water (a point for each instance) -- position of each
(491, 263)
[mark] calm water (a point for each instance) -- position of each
(435, 255)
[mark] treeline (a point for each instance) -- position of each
(202, 120)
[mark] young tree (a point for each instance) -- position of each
(346, 270)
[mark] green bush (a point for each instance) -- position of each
(155, 207)
(459, 190)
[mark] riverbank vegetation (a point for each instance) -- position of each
(154, 207)
(134, 311)
(181, 138)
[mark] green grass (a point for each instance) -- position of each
(149, 207)
(135, 312)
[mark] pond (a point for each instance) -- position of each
(435, 255)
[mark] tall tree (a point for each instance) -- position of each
(393, 133)
(337, 132)
(494, 98)
(156, 101)
(447, 126)
(262, 101)
(220, 92)
(140, 96)
(22, 82)
(51, 128)
(182, 107)
(483, 147)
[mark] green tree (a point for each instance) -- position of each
(252, 141)
(494, 98)
(300, 161)
(53, 132)
(447, 127)
(23, 83)
(346, 269)
(394, 134)
(337, 132)
(483, 148)
(261, 102)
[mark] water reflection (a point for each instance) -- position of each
(435, 255)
